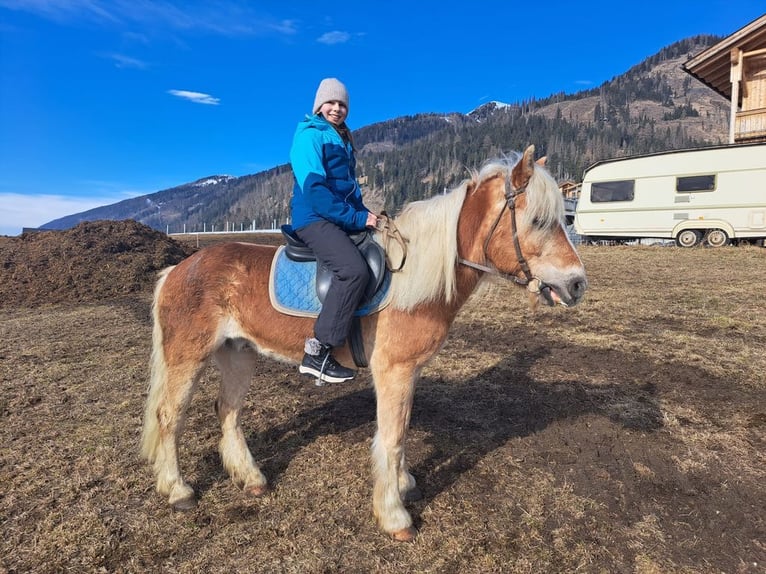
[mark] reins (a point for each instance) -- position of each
(532, 283)
(388, 231)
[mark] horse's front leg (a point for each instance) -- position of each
(394, 388)
(408, 488)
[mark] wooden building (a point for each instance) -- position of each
(570, 189)
(735, 67)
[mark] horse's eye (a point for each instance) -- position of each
(537, 222)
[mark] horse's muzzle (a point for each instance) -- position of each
(568, 294)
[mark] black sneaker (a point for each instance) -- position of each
(324, 367)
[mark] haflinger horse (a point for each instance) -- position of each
(505, 219)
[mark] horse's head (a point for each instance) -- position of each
(522, 214)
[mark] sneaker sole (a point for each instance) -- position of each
(324, 376)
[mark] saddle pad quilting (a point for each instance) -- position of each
(292, 288)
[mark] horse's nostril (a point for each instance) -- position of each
(577, 288)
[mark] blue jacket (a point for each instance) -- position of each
(324, 168)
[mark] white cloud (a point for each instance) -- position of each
(286, 27)
(123, 61)
(62, 11)
(196, 97)
(226, 17)
(334, 37)
(20, 210)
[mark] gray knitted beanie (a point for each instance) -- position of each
(330, 89)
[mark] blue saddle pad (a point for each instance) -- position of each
(292, 288)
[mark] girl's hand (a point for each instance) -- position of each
(372, 220)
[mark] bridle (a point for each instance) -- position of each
(533, 284)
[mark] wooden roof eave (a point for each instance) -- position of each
(712, 67)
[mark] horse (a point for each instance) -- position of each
(503, 219)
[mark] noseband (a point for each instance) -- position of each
(532, 283)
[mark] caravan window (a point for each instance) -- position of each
(612, 191)
(695, 183)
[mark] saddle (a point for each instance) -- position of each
(292, 273)
(372, 252)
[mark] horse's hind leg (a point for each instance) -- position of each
(236, 368)
(171, 406)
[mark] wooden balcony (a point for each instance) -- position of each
(750, 126)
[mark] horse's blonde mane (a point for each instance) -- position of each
(430, 227)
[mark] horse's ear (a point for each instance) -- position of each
(522, 173)
(542, 161)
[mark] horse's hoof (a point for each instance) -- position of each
(413, 495)
(405, 534)
(184, 504)
(256, 491)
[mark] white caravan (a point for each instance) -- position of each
(711, 195)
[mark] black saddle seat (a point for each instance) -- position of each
(372, 252)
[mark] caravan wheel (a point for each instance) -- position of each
(688, 238)
(717, 238)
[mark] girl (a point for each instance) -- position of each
(326, 206)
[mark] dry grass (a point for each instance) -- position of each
(625, 435)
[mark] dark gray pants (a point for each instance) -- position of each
(334, 249)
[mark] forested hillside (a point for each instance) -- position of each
(654, 106)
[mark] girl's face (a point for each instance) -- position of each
(334, 112)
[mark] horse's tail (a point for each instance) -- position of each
(157, 378)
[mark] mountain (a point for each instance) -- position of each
(192, 203)
(654, 106)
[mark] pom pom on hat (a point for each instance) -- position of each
(330, 89)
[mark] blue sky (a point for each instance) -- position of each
(104, 100)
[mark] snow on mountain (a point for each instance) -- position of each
(212, 180)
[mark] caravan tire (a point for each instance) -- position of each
(688, 238)
(717, 238)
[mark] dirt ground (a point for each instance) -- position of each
(625, 435)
